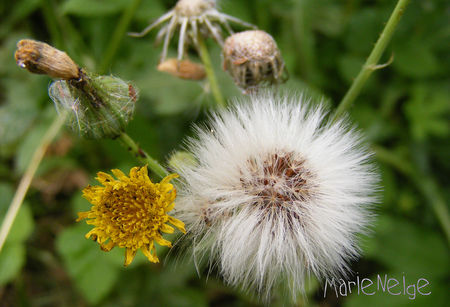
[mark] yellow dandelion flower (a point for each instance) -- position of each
(131, 212)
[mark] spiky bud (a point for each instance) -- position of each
(252, 58)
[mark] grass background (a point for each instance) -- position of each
(404, 110)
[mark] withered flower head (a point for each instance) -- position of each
(193, 18)
(41, 58)
(252, 58)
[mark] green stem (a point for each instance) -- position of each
(25, 182)
(51, 22)
(206, 59)
(142, 156)
(424, 183)
(118, 35)
(372, 60)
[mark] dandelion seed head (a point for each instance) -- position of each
(277, 193)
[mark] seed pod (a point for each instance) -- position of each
(184, 69)
(41, 58)
(252, 58)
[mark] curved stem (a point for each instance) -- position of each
(423, 182)
(117, 36)
(206, 59)
(142, 156)
(371, 63)
(25, 182)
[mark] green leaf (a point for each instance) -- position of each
(414, 58)
(427, 111)
(23, 225)
(12, 258)
(93, 8)
(406, 247)
(93, 271)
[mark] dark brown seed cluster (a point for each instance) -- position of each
(281, 180)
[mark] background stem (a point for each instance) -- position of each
(142, 156)
(424, 183)
(371, 63)
(206, 59)
(25, 182)
(117, 36)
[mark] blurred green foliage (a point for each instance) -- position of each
(405, 108)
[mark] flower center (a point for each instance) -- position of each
(132, 216)
(278, 181)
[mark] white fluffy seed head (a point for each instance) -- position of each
(278, 193)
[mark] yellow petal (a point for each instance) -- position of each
(168, 178)
(163, 242)
(104, 178)
(82, 216)
(147, 250)
(177, 223)
(129, 256)
(119, 174)
(166, 228)
(108, 246)
(170, 207)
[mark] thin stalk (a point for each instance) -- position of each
(25, 182)
(371, 63)
(118, 35)
(424, 184)
(51, 22)
(206, 59)
(141, 155)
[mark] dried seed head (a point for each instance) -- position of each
(192, 19)
(191, 8)
(251, 58)
(41, 58)
(184, 69)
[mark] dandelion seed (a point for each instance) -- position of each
(131, 212)
(192, 18)
(277, 193)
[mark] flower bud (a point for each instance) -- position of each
(98, 106)
(41, 58)
(253, 58)
(184, 69)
